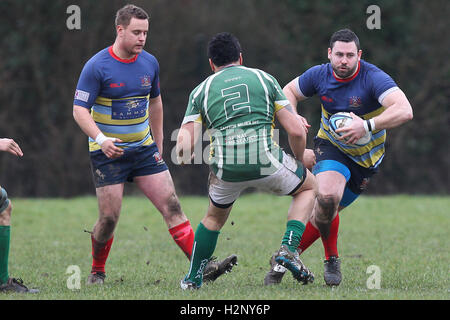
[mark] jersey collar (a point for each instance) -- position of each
(111, 52)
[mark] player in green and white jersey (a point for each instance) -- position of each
(238, 106)
(7, 283)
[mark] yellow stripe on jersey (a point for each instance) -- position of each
(106, 119)
(130, 137)
(93, 146)
(108, 102)
(360, 155)
(193, 118)
(281, 104)
(132, 131)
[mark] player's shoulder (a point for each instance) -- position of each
(251, 69)
(99, 57)
(371, 71)
(147, 56)
(265, 76)
(318, 72)
(320, 69)
(97, 61)
(367, 67)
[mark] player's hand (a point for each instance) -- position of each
(305, 123)
(110, 149)
(9, 145)
(309, 159)
(353, 132)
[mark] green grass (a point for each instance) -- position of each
(405, 236)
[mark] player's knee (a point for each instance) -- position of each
(108, 223)
(328, 204)
(173, 205)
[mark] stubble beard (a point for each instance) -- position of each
(344, 74)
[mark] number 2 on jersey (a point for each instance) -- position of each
(237, 103)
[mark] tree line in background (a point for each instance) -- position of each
(41, 60)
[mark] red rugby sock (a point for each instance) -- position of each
(330, 243)
(183, 235)
(310, 235)
(100, 252)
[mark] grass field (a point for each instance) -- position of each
(405, 236)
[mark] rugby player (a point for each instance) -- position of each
(376, 103)
(238, 106)
(118, 105)
(8, 284)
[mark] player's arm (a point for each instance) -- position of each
(87, 124)
(294, 96)
(295, 129)
(155, 106)
(398, 111)
(9, 145)
(188, 136)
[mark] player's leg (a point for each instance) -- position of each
(5, 237)
(331, 186)
(109, 200)
(356, 181)
(299, 214)
(222, 196)
(205, 242)
(300, 209)
(291, 179)
(7, 284)
(164, 198)
(109, 176)
(151, 175)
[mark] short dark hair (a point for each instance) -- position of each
(224, 48)
(124, 15)
(344, 35)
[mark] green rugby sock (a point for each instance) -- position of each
(293, 234)
(204, 245)
(5, 235)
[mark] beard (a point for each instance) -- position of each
(344, 73)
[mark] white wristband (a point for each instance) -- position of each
(366, 127)
(372, 124)
(102, 138)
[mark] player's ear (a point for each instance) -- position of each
(211, 64)
(359, 54)
(240, 58)
(119, 30)
(329, 53)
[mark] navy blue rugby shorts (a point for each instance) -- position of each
(330, 158)
(140, 161)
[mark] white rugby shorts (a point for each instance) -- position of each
(286, 180)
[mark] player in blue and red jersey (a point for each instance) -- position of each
(343, 170)
(118, 105)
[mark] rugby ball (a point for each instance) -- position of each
(344, 119)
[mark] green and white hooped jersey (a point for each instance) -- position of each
(238, 105)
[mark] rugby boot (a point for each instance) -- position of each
(188, 285)
(291, 261)
(332, 271)
(276, 272)
(215, 269)
(96, 278)
(16, 285)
